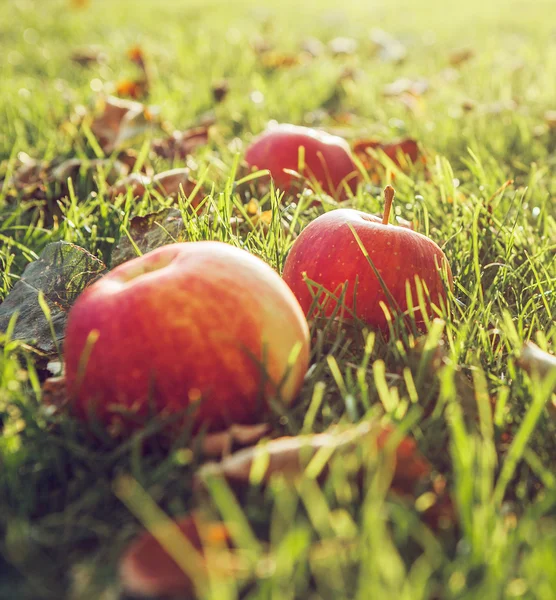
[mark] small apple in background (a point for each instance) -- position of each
(195, 322)
(328, 253)
(318, 155)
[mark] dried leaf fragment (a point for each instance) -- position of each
(458, 57)
(222, 443)
(389, 48)
(181, 143)
(535, 360)
(289, 456)
(61, 273)
(399, 152)
(149, 232)
(120, 121)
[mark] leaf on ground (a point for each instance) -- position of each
(550, 119)
(461, 56)
(147, 568)
(39, 180)
(289, 456)
(273, 59)
(181, 143)
(167, 183)
(136, 89)
(405, 85)
(88, 56)
(535, 360)
(54, 392)
(343, 46)
(400, 152)
(389, 49)
(149, 232)
(223, 443)
(61, 273)
(220, 90)
(121, 121)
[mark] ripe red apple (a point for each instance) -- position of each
(328, 253)
(318, 155)
(196, 322)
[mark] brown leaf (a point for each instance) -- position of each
(289, 456)
(137, 182)
(41, 180)
(181, 143)
(170, 183)
(54, 392)
(135, 55)
(535, 360)
(550, 119)
(61, 273)
(121, 121)
(147, 569)
(343, 46)
(405, 85)
(401, 151)
(88, 56)
(278, 60)
(149, 232)
(220, 90)
(389, 48)
(222, 443)
(458, 57)
(136, 89)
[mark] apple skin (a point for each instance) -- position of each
(329, 254)
(184, 322)
(328, 158)
(147, 570)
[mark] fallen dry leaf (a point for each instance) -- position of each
(550, 118)
(88, 56)
(289, 456)
(167, 183)
(273, 59)
(135, 88)
(220, 90)
(147, 569)
(149, 232)
(132, 88)
(61, 273)
(534, 360)
(121, 121)
(54, 392)
(405, 85)
(389, 48)
(343, 46)
(45, 182)
(222, 443)
(458, 57)
(170, 183)
(399, 152)
(181, 143)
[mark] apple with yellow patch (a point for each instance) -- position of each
(203, 325)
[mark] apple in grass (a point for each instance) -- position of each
(321, 157)
(197, 324)
(378, 262)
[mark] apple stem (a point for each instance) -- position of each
(389, 194)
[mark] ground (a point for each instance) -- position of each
(478, 98)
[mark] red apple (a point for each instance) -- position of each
(147, 568)
(328, 253)
(199, 323)
(318, 155)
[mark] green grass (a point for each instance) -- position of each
(62, 526)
